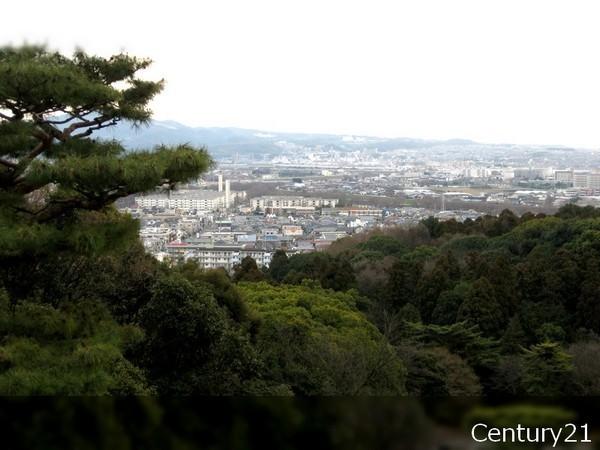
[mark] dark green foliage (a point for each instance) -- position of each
(189, 346)
(402, 285)
(247, 270)
(75, 350)
(435, 372)
(586, 367)
(278, 267)
(332, 272)
(372, 278)
(460, 338)
(514, 336)
(572, 211)
(429, 287)
(534, 316)
(448, 304)
(221, 286)
(547, 370)
(434, 227)
(410, 313)
(507, 377)
(488, 225)
(444, 360)
(516, 281)
(384, 245)
(588, 305)
(481, 307)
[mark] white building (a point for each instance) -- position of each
(291, 202)
(563, 176)
(476, 172)
(209, 257)
(200, 200)
(585, 179)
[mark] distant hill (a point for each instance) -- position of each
(225, 142)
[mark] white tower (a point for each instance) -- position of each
(227, 193)
(220, 183)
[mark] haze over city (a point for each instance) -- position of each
(495, 72)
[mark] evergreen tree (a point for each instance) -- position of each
(279, 266)
(247, 270)
(514, 336)
(588, 305)
(189, 347)
(434, 227)
(430, 286)
(448, 303)
(547, 370)
(482, 308)
(402, 284)
(52, 172)
(435, 372)
(220, 284)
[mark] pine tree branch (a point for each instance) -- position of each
(20, 167)
(9, 164)
(59, 122)
(88, 201)
(92, 129)
(56, 208)
(37, 150)
(20, 186)
(96, 124)
(78, 113)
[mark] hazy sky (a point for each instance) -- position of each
(524, 71)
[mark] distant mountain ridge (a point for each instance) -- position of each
(228, 141)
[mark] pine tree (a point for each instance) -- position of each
(54, 177)
(279, 265)
(548, 369)
(481, 307)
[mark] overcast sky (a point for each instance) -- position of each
(522, 71)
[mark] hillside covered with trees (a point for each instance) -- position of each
(500, 305)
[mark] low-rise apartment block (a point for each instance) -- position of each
(213, 257)
(273, 203)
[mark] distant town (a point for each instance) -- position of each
(305, 197)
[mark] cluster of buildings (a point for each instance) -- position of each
(579, 179)
(302, 212)
(220, 228)
(192, 199)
